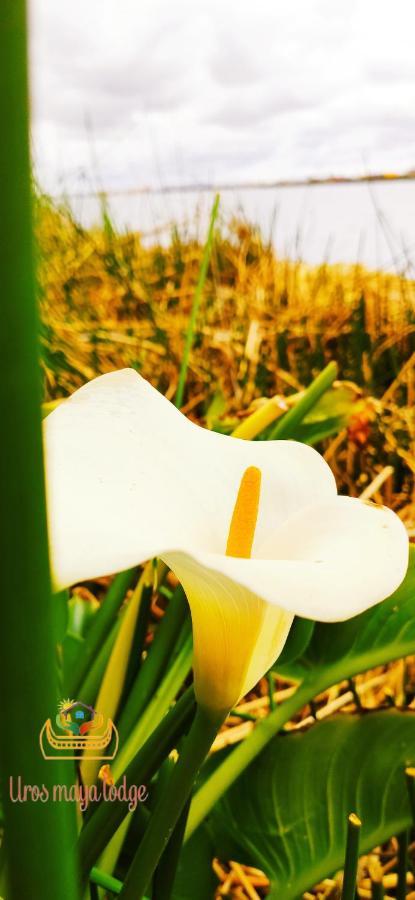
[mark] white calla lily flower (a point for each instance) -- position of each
(129, 477)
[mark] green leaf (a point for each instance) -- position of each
(294, 801)
(195, 868)
(336, 652)
(286, 427)
(328, 416)
(337, 401)
(312, 432)
(300, 635)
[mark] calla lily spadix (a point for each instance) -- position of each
(254, 531)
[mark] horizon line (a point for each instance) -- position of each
(235, 186)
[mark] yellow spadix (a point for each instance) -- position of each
(245, 514)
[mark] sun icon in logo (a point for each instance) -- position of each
(63, 704)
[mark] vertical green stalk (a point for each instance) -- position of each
(410, 783)
(352, 857)
(403, 842)
(38, 836)
(170, 806)
(196, 304)
(378, 892)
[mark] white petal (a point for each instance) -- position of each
(331, 561)
(237, 636)
(128, 476)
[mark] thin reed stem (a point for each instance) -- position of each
(196, 304)
(351, 858)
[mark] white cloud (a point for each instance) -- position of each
(137, 94)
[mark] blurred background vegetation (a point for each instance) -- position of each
(266, 327)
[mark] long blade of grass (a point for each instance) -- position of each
(100, 626)
(111, 689)
(38, 836)
(196, 304)
(286, 426)
(154, 667)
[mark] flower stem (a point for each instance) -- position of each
(167, 812)
(239, 759)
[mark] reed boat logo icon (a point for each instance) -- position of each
(81, 733)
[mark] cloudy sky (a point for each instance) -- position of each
(132, 93)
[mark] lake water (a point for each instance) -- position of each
(370, 223)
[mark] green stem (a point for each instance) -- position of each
(38, 836)
(403, 842)
(286, 426)
(165, 874)
(351, 858)
(239, 759)
(103, 822)
(167, 812)
(377, 889)
(97, 876)
(410, 783)
(195, 305)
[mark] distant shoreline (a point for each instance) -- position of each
(243, 186)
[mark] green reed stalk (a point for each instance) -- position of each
(38, 836)
(403, 844)
(101, 878)
(351, 858)
(196, 304)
